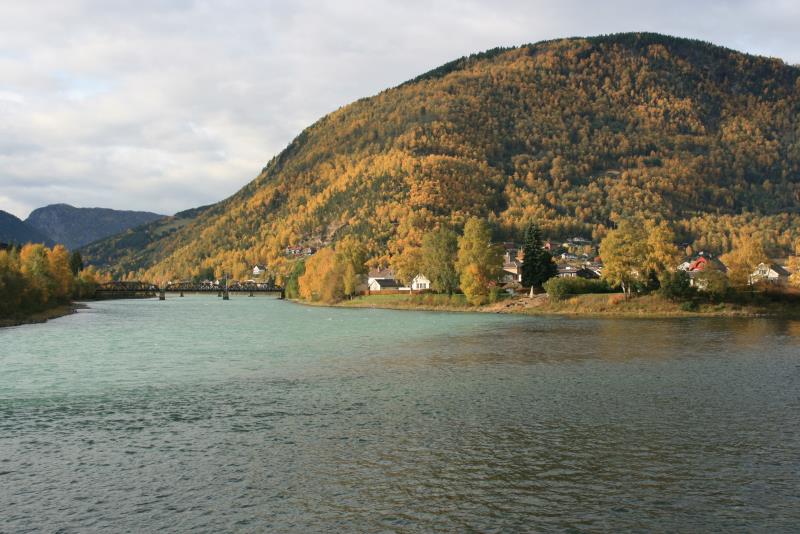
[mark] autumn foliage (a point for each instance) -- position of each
(574, 134)
(35, 278)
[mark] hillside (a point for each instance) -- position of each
(13, 230)
(574, 133)
(75, 227)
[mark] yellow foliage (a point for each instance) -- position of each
(746, 255)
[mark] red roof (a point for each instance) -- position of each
(699, 264)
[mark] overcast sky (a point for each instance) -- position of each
(163, 106)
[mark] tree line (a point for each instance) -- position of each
(34, 278)
(470, 262)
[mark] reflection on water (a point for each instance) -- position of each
(193, 414)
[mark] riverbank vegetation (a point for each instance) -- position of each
(35, 280)
(640, 276)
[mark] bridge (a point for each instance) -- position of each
(138, 289)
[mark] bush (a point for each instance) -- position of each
(561, 288)
(676, 286)
(689, 306)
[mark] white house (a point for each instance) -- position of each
(258, 270)
(770, 273)
(420, 282)
(512, 271)
(383, 279)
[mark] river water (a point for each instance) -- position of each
(254, 414)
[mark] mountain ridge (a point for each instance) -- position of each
(13, 230)
(74, 227)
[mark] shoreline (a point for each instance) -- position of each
(43, 316)
(539, 306)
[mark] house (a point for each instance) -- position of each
(569, 271)
(382, 279)
(770, 273)
(420, 283)
(699, 267)
(579, 241)
(512, 271)
(511, 252)
(258, 270)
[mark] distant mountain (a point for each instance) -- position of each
(13, 230)
(75, 227)
(571, 133)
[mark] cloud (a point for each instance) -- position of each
(164, 106)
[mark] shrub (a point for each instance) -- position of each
(676, 285)
(561, 288)
(689, 306)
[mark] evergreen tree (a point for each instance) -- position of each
(537, 265)
(75, 263)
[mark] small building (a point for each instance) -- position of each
(512, 271)
(382, 279)
(769, 273)
(420, 283)
(258, 270)
(567, 271)
(570, 271)
(698, 266)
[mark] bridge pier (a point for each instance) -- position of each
(181, 293)
(225, 295)
(162, 295)
(251, 293)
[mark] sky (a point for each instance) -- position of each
(162, 106)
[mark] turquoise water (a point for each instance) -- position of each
(254, 414)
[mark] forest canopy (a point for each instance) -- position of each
(576, 134)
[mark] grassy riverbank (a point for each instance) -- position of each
(42, 316)
(611, 305)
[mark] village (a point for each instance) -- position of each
(575, 257)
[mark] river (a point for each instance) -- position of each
(255, 414)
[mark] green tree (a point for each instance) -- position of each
(480, 264)
(351, 257)
(439, 254)
(75, 263)
(537, 263)
(205, 273)
(676, 285)
(291, 284)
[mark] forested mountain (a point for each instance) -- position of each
(573, 133)
(13, 230)
(74, 227)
